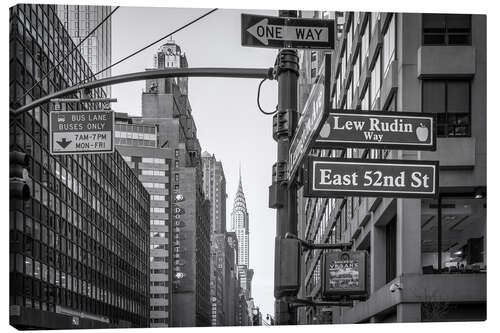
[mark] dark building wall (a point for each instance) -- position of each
(401, 234)
(80, 244)
(161, 240)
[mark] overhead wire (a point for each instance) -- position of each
(258, 100)
(153, 43)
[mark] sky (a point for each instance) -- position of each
(228, 122)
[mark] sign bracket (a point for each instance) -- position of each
(309, 245)
(309, 301)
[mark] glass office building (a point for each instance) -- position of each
(79, 20)
(435, 249)
(79, 248)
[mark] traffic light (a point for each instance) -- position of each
(19, 162)
(255, 319)
(287, 266)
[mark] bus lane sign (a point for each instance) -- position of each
(81, 132)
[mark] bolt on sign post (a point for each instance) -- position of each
(386, 130)
(81, 132)
(280, 32)
(344, 274)
(338, 177)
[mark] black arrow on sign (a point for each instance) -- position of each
(64, 143)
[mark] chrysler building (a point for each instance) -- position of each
(239, 225)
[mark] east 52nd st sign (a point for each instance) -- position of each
(335, 177)
(389, 130)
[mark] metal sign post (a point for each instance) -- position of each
(311, 119)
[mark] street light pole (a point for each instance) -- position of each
(245, 73)
(285, 122)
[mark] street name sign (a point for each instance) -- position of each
(336, 177)
(310, 119)
(281, 32)
(388, 130)
(81, 132)
(344, 273)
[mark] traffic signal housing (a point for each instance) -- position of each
(19, 162)
(287, 266)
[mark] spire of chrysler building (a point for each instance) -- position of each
(239, 222)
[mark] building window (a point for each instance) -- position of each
(153, 160)
(152, 172)
(462, 247)
(389, 44)
(349, 95)
(450, 100)
(446, 29)
(365, 50)
(158, 197)
(365, 101)
(390, 250)
(356, 70)
(375, 83)
(349, 41)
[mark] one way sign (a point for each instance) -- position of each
(279, 32)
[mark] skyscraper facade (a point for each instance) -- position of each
(239, 224)
(79, 21)
(214, 186)
(137, 142)
(79, 245)
(165, 103)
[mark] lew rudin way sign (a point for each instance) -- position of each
(279, 32)
(81, 132)
(389, 130)
(331, 177)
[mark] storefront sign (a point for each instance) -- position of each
(81, 132)
(389, 130)
(280, 32)
(310, 118)
(344, 274)
(331, 177)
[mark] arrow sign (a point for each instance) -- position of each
(279, 32)
(81, 132)
(64, 143)
(264, 31)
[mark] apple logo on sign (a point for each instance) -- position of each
(325, 131)
(422, 133)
